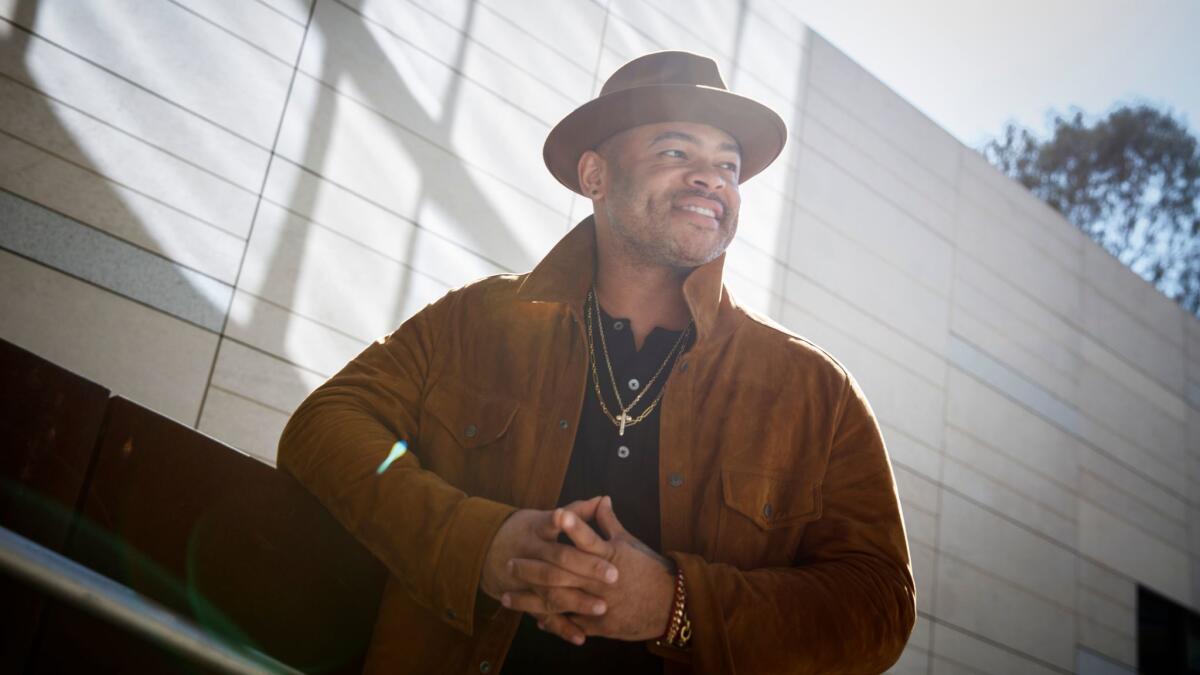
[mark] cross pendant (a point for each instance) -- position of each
(623, 418)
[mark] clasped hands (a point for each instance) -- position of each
(612, 586)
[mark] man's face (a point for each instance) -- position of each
(672, 198)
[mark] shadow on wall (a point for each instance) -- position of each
(53, 181)
(49, 237)
(453, 192)
(59, 170)
(368, 74)
(288, 268)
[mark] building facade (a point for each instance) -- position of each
(209, 207)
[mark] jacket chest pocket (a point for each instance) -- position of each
(763, 516)
(466, 439)
(473, 420)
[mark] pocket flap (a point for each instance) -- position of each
(771, 499)
(473, 419)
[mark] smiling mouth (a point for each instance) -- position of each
(699, 209)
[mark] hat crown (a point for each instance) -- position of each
(671, 86)
(662, 68)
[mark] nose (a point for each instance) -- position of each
(706, 177)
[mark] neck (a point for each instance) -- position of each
(650, 297)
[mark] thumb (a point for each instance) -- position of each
(606, 518)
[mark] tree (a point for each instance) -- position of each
(1130, 180)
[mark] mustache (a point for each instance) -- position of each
(704, 194)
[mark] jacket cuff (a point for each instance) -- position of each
(464, 549)
(669, 653)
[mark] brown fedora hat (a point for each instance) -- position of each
(665, 87)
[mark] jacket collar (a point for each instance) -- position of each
(566, 273)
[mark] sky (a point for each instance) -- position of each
(973, 65)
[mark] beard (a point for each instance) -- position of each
(642, 225)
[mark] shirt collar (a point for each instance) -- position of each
(567, 272)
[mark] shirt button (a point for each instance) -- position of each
(634, 384)
(618, 325)
(767, 512)
(485, 667)
(675, 479)
(563, 424)
(623, 451)
(470, 431)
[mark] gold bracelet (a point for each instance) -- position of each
(679, 626)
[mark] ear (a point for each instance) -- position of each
(592, 169)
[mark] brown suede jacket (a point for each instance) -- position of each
(777, 494)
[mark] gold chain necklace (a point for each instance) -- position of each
(623, 420)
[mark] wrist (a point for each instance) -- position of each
(492, 581)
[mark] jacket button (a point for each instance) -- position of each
(485, 667)
(563, 424)
(451, 614)
(683, 366)
(675, 479)
(767, 511)
(470, 431)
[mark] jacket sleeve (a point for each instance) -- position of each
(849, 603)
(431, 536)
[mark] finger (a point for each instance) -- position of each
(606, 518)
(584, 508)
(572, 601)
(584, 565)
(524, 601)
(554, 601)
(541, 573)
(548, 527)
(562, 627)
(585, 538)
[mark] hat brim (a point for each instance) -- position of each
(759, 131)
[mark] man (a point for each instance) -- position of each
(725, 501)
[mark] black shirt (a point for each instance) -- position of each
(603, 462)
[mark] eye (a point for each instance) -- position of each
(674, 153)
(729, 166)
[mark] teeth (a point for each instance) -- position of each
(701, 210)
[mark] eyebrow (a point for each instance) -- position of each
(688, 138)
